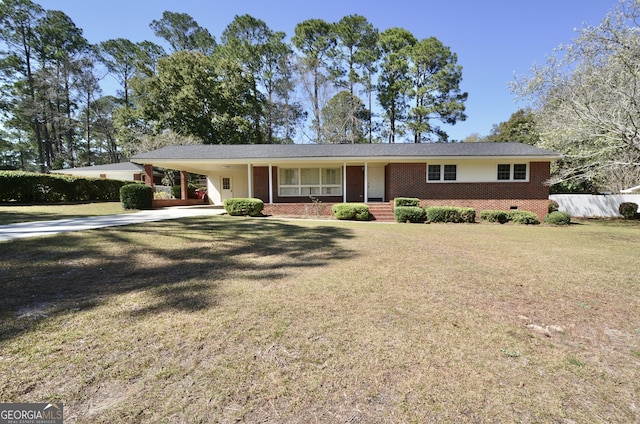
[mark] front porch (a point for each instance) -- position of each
(286, 184)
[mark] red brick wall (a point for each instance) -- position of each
(309, 210)
(409, 180)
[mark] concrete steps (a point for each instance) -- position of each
(381, 212)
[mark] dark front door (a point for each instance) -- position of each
(355, 184)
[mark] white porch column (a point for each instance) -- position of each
(270, 184)
(344, 182)
(366, 182)
(249, 182)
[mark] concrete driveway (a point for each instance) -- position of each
(43, 228)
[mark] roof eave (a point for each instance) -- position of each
(256, 160)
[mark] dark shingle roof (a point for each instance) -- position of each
(292, 151)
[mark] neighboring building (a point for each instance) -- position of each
(479, 175)
(125, 171)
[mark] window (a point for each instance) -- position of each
(310, 182)
(442, 172)
(504, 172)
(226, 183)
(434, 173)
(289, 177)
(450, 172)
(520, 171)
(310, 176)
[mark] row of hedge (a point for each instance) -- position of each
(416, 214)
(28, 187)
(408, 210)
(240, 206)
(515, 216)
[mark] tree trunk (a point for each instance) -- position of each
(316, 104)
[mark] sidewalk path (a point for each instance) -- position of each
(43, 228)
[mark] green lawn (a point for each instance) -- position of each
(20, 213)
(221, 319)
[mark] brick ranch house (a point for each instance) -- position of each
(479, 175)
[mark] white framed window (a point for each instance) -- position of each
(520, 171)
(310, 182)
(512, 172)
(433, 173)
(450, 172)
(442, 172)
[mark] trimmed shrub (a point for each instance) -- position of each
(467, 215)
(450, 214)
(136, 196)
(351, 211)
(406, 201)
(494, 216)
(557, 218)
(553, 206)
(414, 214)
(240, 206)
(191, 191)
(628, 210)
(524, 217)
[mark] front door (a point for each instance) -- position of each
(375, 183)
(226, 189)
(355, 184)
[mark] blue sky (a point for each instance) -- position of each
(494, 39)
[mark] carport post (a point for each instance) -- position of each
(270, 184)
(183, 185)
(249, 185)
(148, 175)
(366, 182)
(344, 182)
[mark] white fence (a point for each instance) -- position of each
(588, 205)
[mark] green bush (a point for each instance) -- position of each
(450, 214)
(351, 211)
(29, 187)
(406, 201)
(241, 206)
(176, 191)
(467, 215)
(628, 210)
(414, 214)
(494, 216)
(524, 217)
(136, 196)
(553, 206)
(557, 218)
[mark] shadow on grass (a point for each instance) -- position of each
(179, 264)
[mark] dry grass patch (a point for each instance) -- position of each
(14, 214)
(256, 320)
